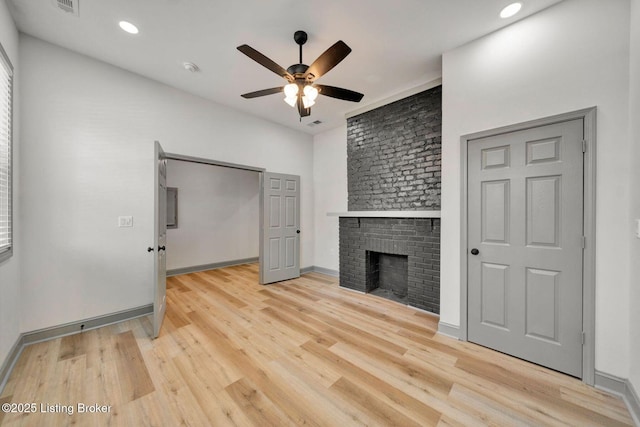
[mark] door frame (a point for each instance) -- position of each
(588, 116)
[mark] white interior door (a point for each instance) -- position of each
(280, 228)
(159, 238)
(525, 244)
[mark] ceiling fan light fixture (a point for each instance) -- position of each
(300, 77)
(291, 100)
(291, 90)
(311, 93)
(307, 102)
(291, 94)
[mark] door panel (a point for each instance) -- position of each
(542, 290)
(525, 217)
(280, 238)
(495, 212)
(495, 157)
(290, 212)
(494, 283)
(274, 211)
(274, 252)
(543, 211)
(290, 252)
(547, 150)
(160, 239)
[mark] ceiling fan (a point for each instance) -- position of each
(301, 91)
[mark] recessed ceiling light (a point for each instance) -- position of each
(128, 27)
(510, 10)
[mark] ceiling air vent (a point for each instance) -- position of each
(314, 123)
(68, 6)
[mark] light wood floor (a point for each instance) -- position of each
(301, 352)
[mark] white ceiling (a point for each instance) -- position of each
(397, 45)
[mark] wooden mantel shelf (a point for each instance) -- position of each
(386, 214)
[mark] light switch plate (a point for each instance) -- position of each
(125, 221)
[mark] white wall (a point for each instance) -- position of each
(330, 186)
(634, 121)
(9, 269)
(87, 133)
(571, 56)
(218, 214)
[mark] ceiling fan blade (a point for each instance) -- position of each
(329, 59)
(264, 61)
(339, 93)
(262, 92)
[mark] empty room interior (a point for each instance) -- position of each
(440, 224)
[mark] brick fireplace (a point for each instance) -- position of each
(417, 239)
(393, 166)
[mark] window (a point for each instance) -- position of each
(6, 91)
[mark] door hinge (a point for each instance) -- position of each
(584, 337)
(584, 145)
(584, 242)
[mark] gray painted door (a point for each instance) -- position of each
(525, 218)
(160, 239)
(280, 228)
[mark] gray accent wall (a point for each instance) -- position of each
(394, 155)
(394, 164)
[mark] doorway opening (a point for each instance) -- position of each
(217, 212)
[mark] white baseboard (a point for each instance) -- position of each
(449, 330)
(321, 270)
(7, 367)
(327, 271)
(623, 388)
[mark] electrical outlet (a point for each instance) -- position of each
(125, 221)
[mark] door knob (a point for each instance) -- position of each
(474, 251)
(298, 231)
(161, 248)
(149, 249)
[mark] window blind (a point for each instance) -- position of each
(6, 92)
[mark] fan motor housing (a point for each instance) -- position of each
(297, 69)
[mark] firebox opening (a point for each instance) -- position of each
(387, 276)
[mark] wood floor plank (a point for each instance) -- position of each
(255, 405)
(72, 346)
(233, 352)
(133, 375)
(410, 405)
(3, 400)
(383, 413)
